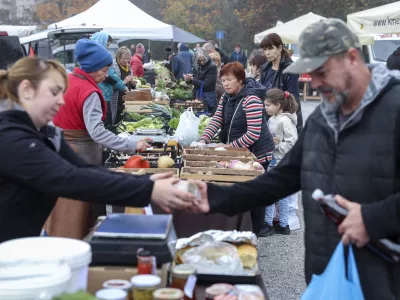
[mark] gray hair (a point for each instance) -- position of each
(208, 47)
(199, 53)
(121, 51)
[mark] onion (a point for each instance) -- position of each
(221, 164)
(220, 149)
(258, 166)
(236, 165)
(249, 166)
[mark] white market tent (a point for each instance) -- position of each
(122, 19)
(20, 31)
(379, 20)
(290, 31)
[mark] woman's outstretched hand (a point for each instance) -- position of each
(167, 196)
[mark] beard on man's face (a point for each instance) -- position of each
(337, 98)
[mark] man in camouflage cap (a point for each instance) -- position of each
(350, 146)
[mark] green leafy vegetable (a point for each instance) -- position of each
(148, 123)
(173, 123)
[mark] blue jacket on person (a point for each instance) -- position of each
(112, 81)
(239, 57)
(187, 58)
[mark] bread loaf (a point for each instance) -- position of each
(248, 255)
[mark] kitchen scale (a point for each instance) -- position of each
(116, 239)
(158, 135)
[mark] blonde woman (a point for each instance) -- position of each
(219, 88)
(38, 165)
(123, 70)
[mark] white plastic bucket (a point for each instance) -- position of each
(24, 281)
(77, 254)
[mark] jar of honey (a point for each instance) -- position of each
(168, 294)
(184, 278)
(144, 286)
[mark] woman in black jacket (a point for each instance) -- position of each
(271, 72)
(37, 165)
(204, 79)
(241, 121)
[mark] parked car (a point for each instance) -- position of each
(10, 50)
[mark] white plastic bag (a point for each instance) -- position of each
(188, 128)
(214, 258)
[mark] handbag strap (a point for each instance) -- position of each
(199, 94)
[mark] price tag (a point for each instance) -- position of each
(190, 285)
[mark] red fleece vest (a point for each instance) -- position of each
(79, 89)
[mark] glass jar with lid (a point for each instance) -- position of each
(168, 294)
(145, 262)
(119, 284)
(184, 278)
(144, 285)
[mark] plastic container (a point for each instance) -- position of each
(144, 286)
(119, 284)
(77, 254)
(168, 294)
(111, 294)
(24, 281)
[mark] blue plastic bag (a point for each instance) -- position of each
(333, 283)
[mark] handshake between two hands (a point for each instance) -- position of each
(169, 197)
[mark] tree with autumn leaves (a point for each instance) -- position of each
(239, 19)
(52, 11)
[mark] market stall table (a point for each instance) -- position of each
(306, 79)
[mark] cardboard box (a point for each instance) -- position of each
(100, 274)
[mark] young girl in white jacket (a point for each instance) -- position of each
(282, 107)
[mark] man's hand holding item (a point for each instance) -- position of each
(352, 227)
(167, 196)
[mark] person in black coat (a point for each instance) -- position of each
(271, 73)
(204, 79)
(393, 62)
(38, 166)
(349, 148)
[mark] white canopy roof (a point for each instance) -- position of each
(121, 19)
(290, 31)
(378, 20)
(20, 31)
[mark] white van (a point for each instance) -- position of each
(379, 52)
(383, 47)
(69, 54)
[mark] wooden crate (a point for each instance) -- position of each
(135, 106)
(218, 174)
(148, 171)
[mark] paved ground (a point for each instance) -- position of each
(282, 257)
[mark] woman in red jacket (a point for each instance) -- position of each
(137, 61)
(82, 118)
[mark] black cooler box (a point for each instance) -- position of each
(116, 240)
